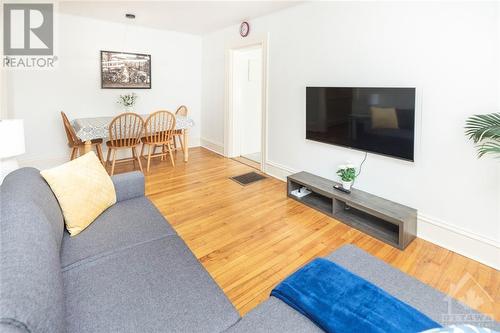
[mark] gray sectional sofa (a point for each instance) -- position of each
(130, 272)
(127, 272)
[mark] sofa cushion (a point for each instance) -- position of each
(26, 185)
(157, 286)
(124, 224)
(83, 188)
(31, 287)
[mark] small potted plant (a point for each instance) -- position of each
(127, 101)
(347, 174)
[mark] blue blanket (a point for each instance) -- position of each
(338, 301)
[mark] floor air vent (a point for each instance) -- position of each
(247, 178)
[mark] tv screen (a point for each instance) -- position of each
(377, 120)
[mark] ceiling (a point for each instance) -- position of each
(196, 17)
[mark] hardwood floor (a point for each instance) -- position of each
(250, 238)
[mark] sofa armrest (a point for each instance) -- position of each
(128, 185)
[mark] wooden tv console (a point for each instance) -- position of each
(388, 221)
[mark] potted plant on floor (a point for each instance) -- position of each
(347, 174)
(484, 131)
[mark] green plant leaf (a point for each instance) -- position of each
(483, 126)
(488, 148)
(484, 131)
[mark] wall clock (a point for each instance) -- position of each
(244, 29)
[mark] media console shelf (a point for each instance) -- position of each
(388, 221)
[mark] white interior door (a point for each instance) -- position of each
(246, 66)
(247, 103)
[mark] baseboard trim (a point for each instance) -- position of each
(464, 242)
(436, 231)
(44, 162)
(215, 147)
(193, 142)
(277, 170)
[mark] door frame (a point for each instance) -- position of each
(230, 125)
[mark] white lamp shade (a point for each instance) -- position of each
(11, 137)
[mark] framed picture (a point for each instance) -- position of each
(122, 70)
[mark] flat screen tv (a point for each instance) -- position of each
(377, 120)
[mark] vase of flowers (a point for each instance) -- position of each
(347, 174)
(127, 101)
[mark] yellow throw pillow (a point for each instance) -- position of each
(84, 190)
(384, 117)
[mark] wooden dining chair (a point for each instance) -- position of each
(77, 146)
(159, 128)
(125, 132)
(181, 111)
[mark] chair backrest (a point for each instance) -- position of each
(125, 130)
(182, 111)
(159, 126)
(70, 131)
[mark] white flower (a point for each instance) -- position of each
(342, 167)
(350, 166)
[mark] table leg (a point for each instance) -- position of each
(185, 139)
(87, 146)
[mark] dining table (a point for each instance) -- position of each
(88, 129)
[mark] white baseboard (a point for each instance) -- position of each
(277, 170)
(44, 161)
(456, 239)
(194, 142)
(464, 242)
(216, 147)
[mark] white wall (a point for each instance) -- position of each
(3, 89)
(3, 95)
(248, 101)
(74, 86)
(449, 51)
(213, 76)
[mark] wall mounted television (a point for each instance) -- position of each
(376, 120)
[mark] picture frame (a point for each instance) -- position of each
(125, 70)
